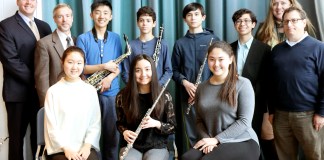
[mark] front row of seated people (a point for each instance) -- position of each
(225, 105)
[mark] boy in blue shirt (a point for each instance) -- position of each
(101, 47)
(146, 44)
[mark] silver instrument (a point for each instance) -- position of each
(198, 79)
(158, 47)
(96, 77)
(139, 128)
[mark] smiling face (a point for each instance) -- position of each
(73, 66)
(27, 7)
(63, 18)
(219, 62)
(278, 8)
(244, 25)
(143, 72)
(101, 16)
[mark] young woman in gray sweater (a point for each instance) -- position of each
(224, 107)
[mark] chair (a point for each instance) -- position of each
(40, 133)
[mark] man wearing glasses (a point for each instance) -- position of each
(251, 56)
(296, 99)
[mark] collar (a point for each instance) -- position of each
(247, 44)
(63, 37)
(293, 43)
(25, 18)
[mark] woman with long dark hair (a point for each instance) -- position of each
(132, 103)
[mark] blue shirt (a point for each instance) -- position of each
(101, 52)
(164, 68)
(242, 53)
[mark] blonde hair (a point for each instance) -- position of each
(267, 33)
(61, 5)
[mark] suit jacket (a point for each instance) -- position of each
(255, 69)
(17, 47)
(48, 67)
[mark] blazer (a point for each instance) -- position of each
(48, 67)
(255, 69)
(17, 47)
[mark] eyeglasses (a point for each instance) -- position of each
(240, 21)
(293, 21)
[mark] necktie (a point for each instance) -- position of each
(68, 42)
(33, 27)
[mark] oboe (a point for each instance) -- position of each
(198, 79)
(158, 47)
(139, 128)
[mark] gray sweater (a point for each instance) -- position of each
(218, 119)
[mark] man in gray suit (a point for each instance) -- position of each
(49, 51)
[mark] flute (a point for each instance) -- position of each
(139, 128)
(198, 80)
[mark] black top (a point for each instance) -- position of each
(151, 137)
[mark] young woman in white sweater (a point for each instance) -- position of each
(72, 113)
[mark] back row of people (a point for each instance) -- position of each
(234, 118)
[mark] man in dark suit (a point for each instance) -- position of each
(17, 47)
(49, 51)
(251, 56)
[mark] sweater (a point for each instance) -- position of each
(297, 77)
(220, 120)
(72, 116)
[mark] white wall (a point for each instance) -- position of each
(8, 8)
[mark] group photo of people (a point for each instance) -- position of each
(142, 94)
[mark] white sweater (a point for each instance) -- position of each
(72, 116)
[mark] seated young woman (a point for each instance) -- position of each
(224, 107)
(132, 103)
(72, 114)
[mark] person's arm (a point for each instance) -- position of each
(245, 110)
(201, 129)
(93, 132)
(55, 135)
(90, 69)
(176, 59)
(126, 65)
(11, 62)
(106, 82)
(168, 127)
(166, 63)
(41, 74)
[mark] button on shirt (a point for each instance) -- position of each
(242, 53)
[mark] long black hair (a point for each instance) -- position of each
(130, 93)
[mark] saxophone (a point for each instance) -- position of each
(198, 80)
(96, 77)
(139, 128)
(158, 47)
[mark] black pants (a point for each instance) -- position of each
(19, 115)
(247, 150)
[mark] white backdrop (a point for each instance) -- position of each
(7, 9)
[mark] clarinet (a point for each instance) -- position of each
(198, 79)
(96, 77)
(139, 128)
(158, 47)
